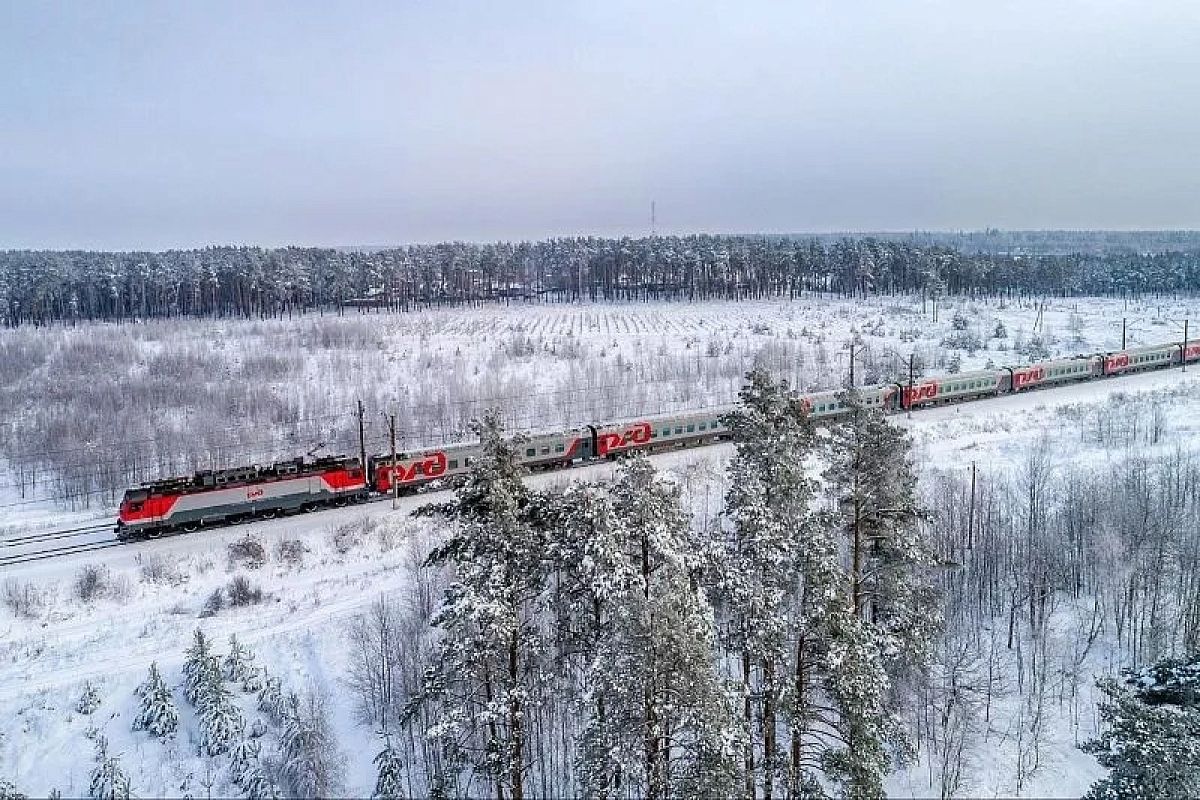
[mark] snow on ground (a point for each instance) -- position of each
(298, 632)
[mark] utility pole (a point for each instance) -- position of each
(1123, 333)
(1183, 350)
(971, 513)
(362, 438)
(395, 483)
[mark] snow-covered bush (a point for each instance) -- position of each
(213, 603)
(23, 599)
(236, 663)
(291, 552)
(91, 582)
(241, 592)
(248, 551)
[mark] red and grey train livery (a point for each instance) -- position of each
(233, 495)
(223, 497)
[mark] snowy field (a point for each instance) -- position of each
(322, 571)
(86, 411)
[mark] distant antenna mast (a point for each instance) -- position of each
(653, 219)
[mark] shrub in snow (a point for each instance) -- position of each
(156, 569)
(291, 552)
(248, 551)
(1000, 332)
(157, 714)
(89, 701)
(91, 582)
(258, 729)
(22, 599)
(8, 791)
(213, 603)
(242, 592)
(109, 781)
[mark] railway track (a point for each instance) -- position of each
(56, 552)
(46, 536)
(64, 550)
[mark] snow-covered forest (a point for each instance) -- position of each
(37, 287)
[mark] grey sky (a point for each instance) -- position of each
(163, 124)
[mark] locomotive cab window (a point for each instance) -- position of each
(558, 448)
(530, 452)
(454, 463)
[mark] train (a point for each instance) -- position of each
(224, 497)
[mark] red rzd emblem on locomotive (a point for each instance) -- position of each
(254, 494)
(638, 433)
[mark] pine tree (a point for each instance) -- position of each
(311, 762)
(8, 791)
(1151, 742)
(243, 757)
(389, 783)
(109, 781)
(200, 669)
(777, 579)
(489, 633)
(236, 663)
(657, 715)
(157, 713)
(888, 616)
(221, 721)
(89, 701)
(257, 785)
(271, 700)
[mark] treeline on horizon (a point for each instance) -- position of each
(41, 287)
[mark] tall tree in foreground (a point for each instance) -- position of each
(658, 721)
(888, 614)
(1152, 743)
(486, 665)
(777, 580)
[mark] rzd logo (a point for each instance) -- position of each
(926, 391)
(1027, 377)
(431, 466)
(639, 433)
(254, 494)
(1116, 362)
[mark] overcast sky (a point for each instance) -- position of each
(162, 124)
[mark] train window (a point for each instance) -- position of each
(546, 450)
(691, 428)
(454, 463)
(703, 426)
(679, 430)
(530, 452)
(558, 448)
(467, 462)
(666, 431)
